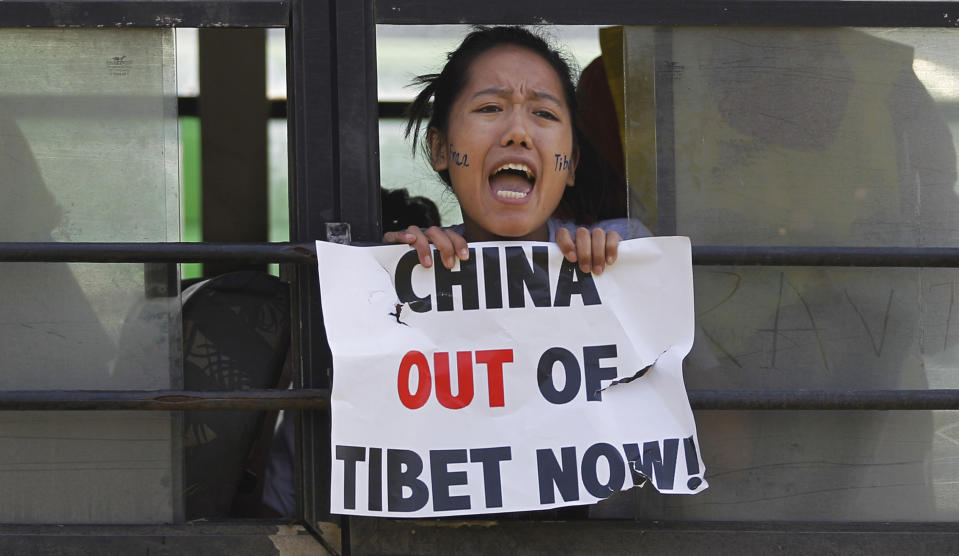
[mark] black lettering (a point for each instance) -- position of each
(375, 468)
(492, 481)
(350, 455)
(633, 458)
(544, 374)
(583, 285)
(403, 468)
(552, 473)
(465, 278)
(692, 463)
(520, 274)
(692, 460)
(494, 285)
(651, 462)
(441, 479)
(596, 374)
(403, 280)
(617, 471)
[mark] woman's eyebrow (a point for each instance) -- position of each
(504, 92)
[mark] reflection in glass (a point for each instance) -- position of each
(805, 137)
(88, 152)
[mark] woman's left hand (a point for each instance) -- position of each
(594, 250)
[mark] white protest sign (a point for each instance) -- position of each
(513, 382)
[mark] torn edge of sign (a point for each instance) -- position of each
(639, 478)
(638, 374)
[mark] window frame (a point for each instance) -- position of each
(334, 178)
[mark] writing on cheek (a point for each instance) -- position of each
(458, 158)
(562, 162)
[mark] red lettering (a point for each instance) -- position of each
(423, 381)
(494, 359)
(464, 379)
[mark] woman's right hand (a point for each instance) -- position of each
(450, 244)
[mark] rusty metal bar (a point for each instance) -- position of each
(305, 253)
(164, 400)
(158, 252)
(314, 399)
(942, 399)
(827, 256)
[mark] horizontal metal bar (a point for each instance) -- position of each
(305, 253)
(190, 106)
(158, 252)
(393, 109)
(275, 13)
(541, 534)
(678, 12)
(164, 400)
(316, 399)
(824, 399)
(144, 13)
(386, 109)
(827, 256)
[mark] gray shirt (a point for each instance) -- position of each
(627, 228)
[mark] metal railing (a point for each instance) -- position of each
(318, 399)
(305, 253)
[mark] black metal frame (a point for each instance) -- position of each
(334, 178)
(145, 13)
(332, 111)
(871, 13)
(275, 13)
(305, 253)
(319, 399)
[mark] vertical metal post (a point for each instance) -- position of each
(334, 177)
(357, 112)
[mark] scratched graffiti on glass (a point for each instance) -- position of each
(809, 137)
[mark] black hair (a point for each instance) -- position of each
(440, 90)
(401, 210)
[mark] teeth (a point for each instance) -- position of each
(511, 194)
(516, 166)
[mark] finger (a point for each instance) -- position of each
(598, 237)
(612, 247)
(584, 249)
(566, 244)
(399, 237)
(442, 243)
(459, 244)
(422, 245)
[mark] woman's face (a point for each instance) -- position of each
(509, 145)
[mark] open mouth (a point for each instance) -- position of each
(512, 181)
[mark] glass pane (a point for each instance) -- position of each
(828, 137)
(89, 134)
(279, 204)
(187, 62)
(399, 169)
(278, 193)
(276, 64)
